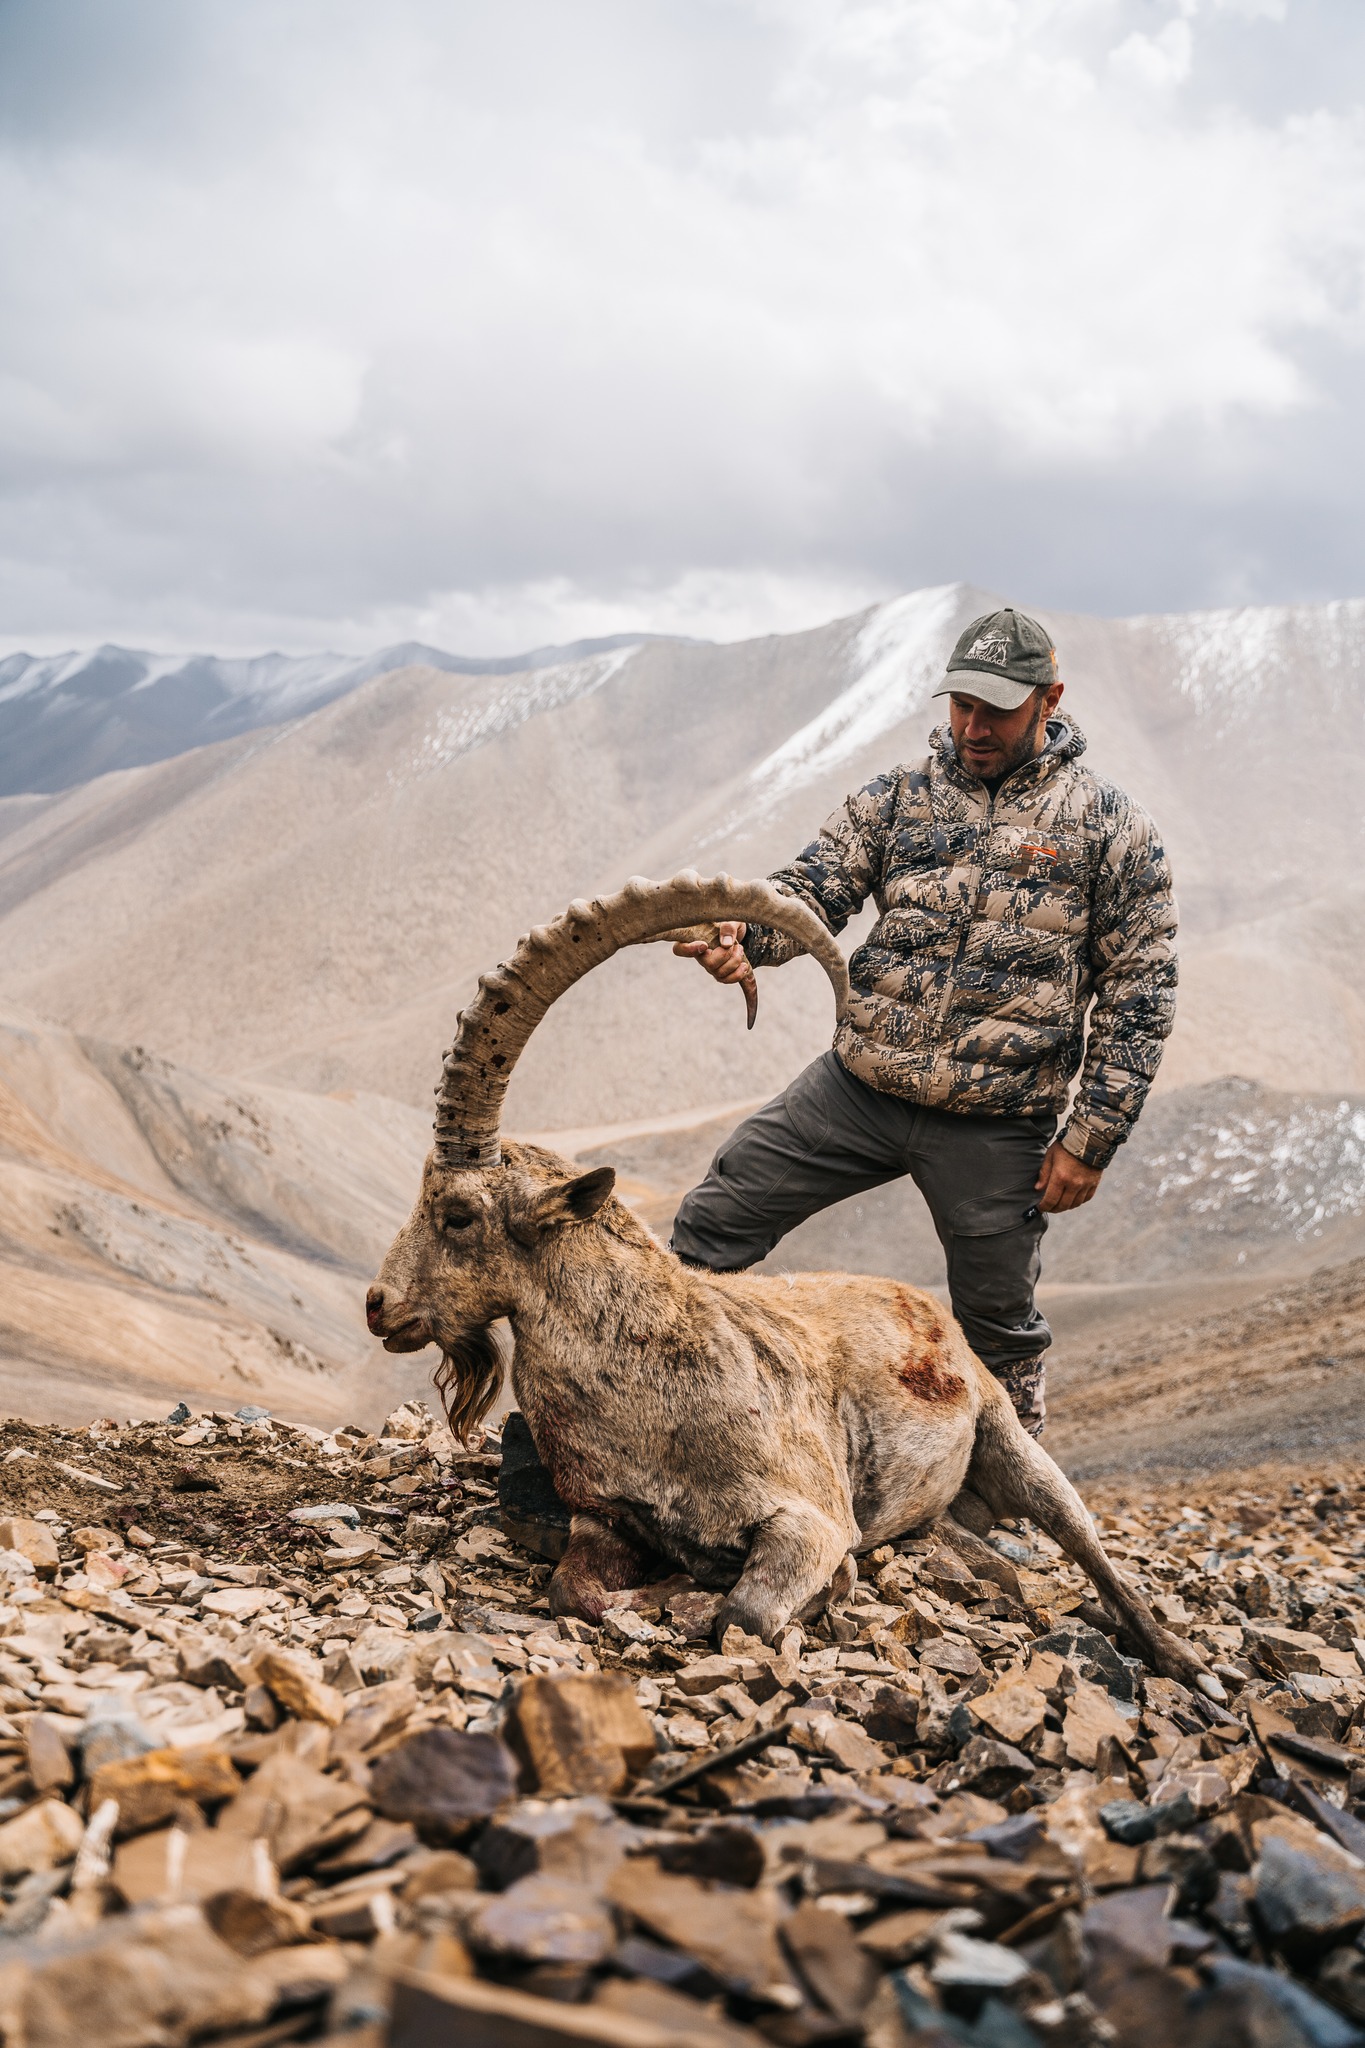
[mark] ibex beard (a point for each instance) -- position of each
(755, 1432)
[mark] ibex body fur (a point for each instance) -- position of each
(754, 1431)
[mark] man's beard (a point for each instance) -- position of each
(1024, 749)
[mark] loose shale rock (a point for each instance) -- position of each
(242, 1729)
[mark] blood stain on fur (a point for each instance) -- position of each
(922, 1372)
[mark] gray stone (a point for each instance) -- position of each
(1305, 1906)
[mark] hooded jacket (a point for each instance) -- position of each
(1001, 917)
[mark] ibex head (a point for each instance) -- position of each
(468, 1253)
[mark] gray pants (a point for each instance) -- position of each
(829, 1136)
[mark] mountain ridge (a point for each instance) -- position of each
(310, 904)
(67, 718)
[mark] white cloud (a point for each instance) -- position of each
(1160, 60)
(491, 325)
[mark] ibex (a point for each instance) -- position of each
(754, 1431)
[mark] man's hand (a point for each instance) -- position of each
(726, 961)
(1065, 1182)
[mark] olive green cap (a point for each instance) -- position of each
(1001, 658)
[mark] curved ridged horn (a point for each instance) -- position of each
(512, 999)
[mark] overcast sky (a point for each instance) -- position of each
(332, 323)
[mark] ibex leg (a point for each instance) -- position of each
(1015, 1476)
(598, 1570)
(797, 1560)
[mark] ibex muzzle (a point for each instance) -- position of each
(753, 1431)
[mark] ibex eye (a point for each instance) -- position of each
(457, 1219)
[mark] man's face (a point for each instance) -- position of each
(992, 743)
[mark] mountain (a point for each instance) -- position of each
(166, 1236)
(67, 717)
(308, 905)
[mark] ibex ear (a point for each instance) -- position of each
(567, 1201)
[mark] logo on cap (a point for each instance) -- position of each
(992, 647)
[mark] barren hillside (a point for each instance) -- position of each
(164, 1236)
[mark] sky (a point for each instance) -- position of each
(325, 324)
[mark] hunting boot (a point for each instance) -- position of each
(1024, 1380)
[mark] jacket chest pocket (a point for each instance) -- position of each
(1046, 860)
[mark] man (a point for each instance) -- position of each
(1014, 886)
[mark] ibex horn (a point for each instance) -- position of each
(512, 999)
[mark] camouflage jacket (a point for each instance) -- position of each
(1000, 918)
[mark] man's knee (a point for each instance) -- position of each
(711, 1231)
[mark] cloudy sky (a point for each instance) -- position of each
(328, 323)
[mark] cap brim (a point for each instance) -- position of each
(1002, 693)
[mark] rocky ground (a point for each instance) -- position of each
(292, 1749)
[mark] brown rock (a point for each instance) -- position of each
(843, 1742)
(301, 1975)
(677, 2017)
(154, 1787)
(693, 1614)
(991, 1769)
(950, 1578)
(356, 1916)
(1090, 1717)
(211, 1660)
(733, 1933)
(729, 1854)
(383, 1842)
(706, 1674)
(43, 1836)
(253, 1923)
(96, 1539)
(372, 1714)
(543, 1919)
(259, 1706)
(430, 2011)
(893, 1715)
(839, 1974)
(580, 1733)
(49, 1760)
(444, 1782)
(943, 1654)
(178, 1866)
(1012, 1710)
(299, 1686)
(899, 1937)
(298, 1811)
(445, 1871)
(580, 1840)
(32, 1540)
(156, 1977)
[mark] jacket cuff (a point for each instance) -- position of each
(764, 946)
(1092, 1148)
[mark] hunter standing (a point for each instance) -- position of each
(1014, 889)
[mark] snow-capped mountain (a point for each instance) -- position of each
(65, 718)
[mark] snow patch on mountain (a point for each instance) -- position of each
(462, 728)
(1237, 658)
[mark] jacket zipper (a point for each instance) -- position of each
(950, 979)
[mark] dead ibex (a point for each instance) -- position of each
(754, 1431)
